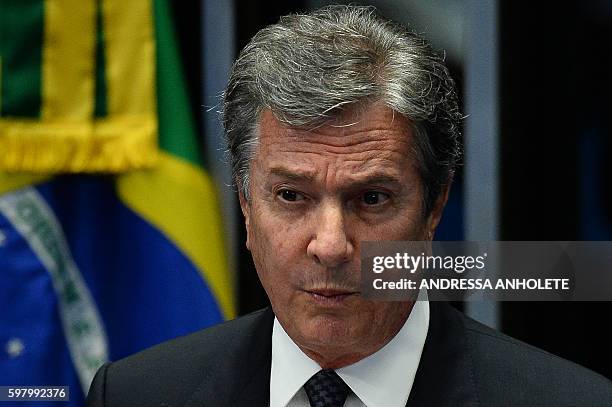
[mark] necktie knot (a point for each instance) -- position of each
(326, 389)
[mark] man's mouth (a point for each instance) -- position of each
(331, 296)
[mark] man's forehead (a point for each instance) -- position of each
(371, 146)
(353, 125)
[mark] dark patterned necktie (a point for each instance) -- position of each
(326, 389)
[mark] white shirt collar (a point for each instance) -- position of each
(382, 379)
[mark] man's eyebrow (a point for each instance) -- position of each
(376, 179)
(292, 175)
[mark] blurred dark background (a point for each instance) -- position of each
(555, 175)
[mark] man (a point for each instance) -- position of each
(342, 128)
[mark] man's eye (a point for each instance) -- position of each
(290, 195)
(374, 197)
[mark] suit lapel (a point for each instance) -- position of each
(247, 384)
(254, 387)
(445, 373)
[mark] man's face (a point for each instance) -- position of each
(315, 196)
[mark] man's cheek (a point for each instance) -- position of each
(289, 246)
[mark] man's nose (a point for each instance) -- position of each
(330, 246)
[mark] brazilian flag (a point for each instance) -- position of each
(110, 234)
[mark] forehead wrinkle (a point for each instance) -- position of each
(357, 161)
(313, 165)
(377, 165)
(346, 175)
(368, 148)
(365, 137)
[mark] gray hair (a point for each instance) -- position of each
(308, 68)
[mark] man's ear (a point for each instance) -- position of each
(246, 211)
(436, 212)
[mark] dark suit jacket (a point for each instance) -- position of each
(463, 363)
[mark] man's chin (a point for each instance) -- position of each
(327, 330)
(328, 341)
